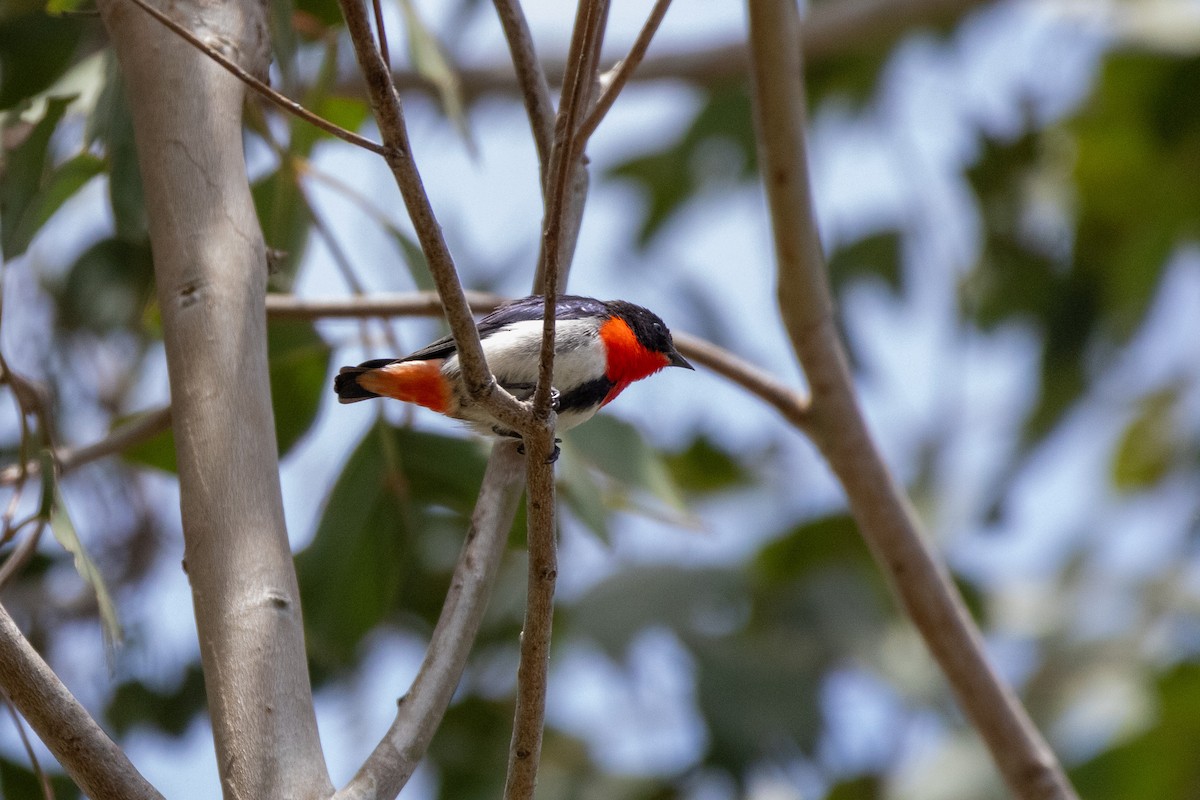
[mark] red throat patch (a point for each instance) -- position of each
(419, 382)
(628, 360)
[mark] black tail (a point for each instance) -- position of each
(347, 388)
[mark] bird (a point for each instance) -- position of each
(601, 347)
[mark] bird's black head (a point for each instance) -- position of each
(649, 330)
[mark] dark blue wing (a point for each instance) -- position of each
(568, 307)
(527, 308)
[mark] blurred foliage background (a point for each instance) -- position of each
(1010, 202)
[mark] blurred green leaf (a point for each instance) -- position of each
(617, 450)
(64, 531)
(352, 571)
(413, 256)
(286, 219)
(18, 781)
(432, 63)
(1138, 146)
(1160, 762)
(157, 452)
(31, 188)
(1148, 446)
(327, 12)
(320, 98)
(719, 146)
(688, 601)
(812, 545)
(365, 556)
(847, 76)
(758, 693)
(471, 749)
(876, 256)
(62, 184)
(579, 490)
(868, 787)
(284, 43)
(35, 51)
(108, 287)
(299, 360)
(171, 711)
(704, 468)
(111, 126)
(58, 7)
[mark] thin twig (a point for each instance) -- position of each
(831, 30)
(535, 91)
(575, 88)
(793, 405)
(533, 669)
(886, 519)
(625, 69)
(286, 103)
(477, 379)
(381, 31)
(24, 551)
(136, 431)
(396, 756)
(94, 761)
(426, 304)
(34, 765)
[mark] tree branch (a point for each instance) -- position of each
(830, 30)
(535, 90)
(142, 428)
(211, 274)
(259, 86)
(97, 765)
(396, 757)
(385, 103)
(837, 427)
(624, 70)
(793, 405)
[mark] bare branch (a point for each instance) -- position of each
(530, 78)
(396, 757)
(553, 256)
(624, 70)
(285, 103)
(136, 431)
(93, 760)
(423, 304)
(830, 30)
(920, 581)
(793, 405)
(533, 670)
(30, 753)
(385, 102)
(210, 275)
(377, 8)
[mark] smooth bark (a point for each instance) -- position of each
(211, 271)
(837, 426)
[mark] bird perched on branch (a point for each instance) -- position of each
(600, 348)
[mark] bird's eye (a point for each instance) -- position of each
(658, 328)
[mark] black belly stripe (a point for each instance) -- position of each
(585, 395)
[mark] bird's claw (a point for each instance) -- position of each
(554, 399)
(553, 455)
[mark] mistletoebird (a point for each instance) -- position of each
(600, 347)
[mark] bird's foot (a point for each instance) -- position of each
(553, 455)
(554, 399)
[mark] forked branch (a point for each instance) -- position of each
(884, 516)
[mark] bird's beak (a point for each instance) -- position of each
(676, 360)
